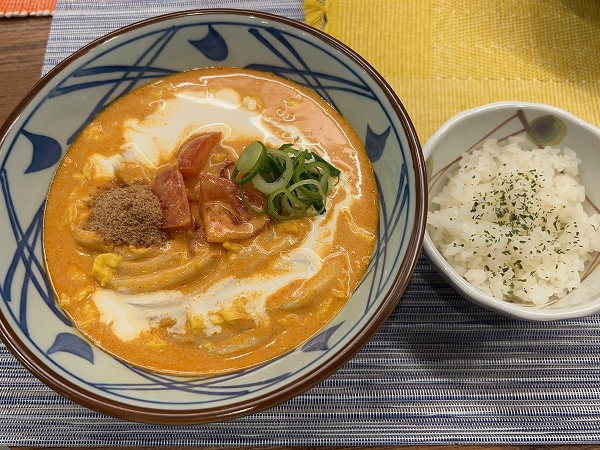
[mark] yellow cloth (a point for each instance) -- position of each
(445, 56)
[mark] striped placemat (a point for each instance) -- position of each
(440, 371)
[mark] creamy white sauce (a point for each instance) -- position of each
(130, 314)
(156, 139)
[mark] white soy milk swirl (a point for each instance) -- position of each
(157, 138)
(150, 142)
(132, 313)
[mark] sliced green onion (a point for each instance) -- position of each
(315, 170)
(250, 162)
(295, 181)
(318, 198)
(282, 197)
(283, 180)
(251, 155)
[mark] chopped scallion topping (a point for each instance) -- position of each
(295, 181)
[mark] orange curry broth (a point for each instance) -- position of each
(289, 318)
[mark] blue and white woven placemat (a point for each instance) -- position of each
(440, 370)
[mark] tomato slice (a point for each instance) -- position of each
(195, 154)
(224, 214)
(170, 189)
(211, 188)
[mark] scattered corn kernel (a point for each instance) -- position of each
(84, 294)
(86, 172)
(290, 226)
(218, 157)
(215, 319)
(155, 344)
(76, 273)
(63, 300)
(137, 250)
(89, 315)
(232, 246)
(103, 263)
(236, 311)
(196, 321)
(240, 302)
(229, 315)
(293, 102)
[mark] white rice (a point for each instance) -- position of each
(511, 222)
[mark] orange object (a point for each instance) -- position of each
(24, 8)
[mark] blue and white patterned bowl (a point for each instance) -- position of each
(38, 132)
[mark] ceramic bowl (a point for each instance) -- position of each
(537, 123)
(36, 135)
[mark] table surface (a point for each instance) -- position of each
(22, 49)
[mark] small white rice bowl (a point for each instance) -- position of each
(511, 222)
(513, 216)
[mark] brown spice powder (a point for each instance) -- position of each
(128, 215)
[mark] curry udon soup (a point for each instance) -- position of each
(173, 257)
